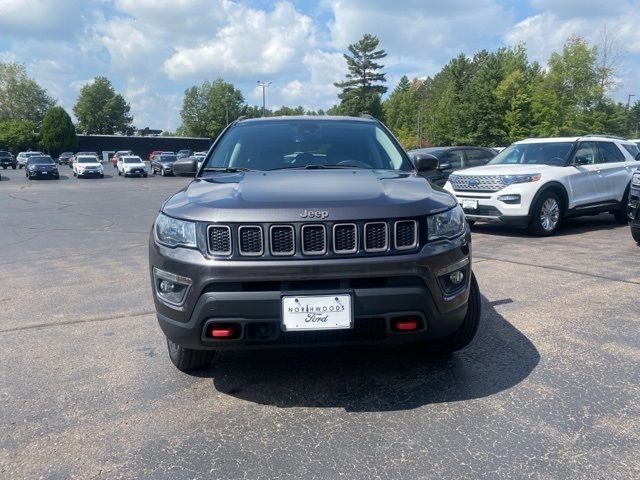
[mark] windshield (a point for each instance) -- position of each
(40, 161)
(307, 143)
(168, 158)
(32, 154)
(131, 160)
(549, 153)
(87, 160)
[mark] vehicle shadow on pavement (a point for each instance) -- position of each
(570, 226)
(371, 379)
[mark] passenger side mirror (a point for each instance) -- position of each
(185, 167)
(444, 166)
(425, 162)
(580, 161)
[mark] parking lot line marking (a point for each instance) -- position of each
(562, 269)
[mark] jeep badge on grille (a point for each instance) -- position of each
(315, 214)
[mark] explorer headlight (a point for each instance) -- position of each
(523, 178)
(173, 232)
(447, 224)
(635, 180)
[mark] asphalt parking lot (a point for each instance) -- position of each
(549, 389)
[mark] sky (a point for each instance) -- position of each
(153, 50)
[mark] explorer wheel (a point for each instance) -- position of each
(621, 214)
(187, 359)
(465, 333)
(636, 236)
(546, 215)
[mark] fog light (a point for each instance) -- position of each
(171, 289)
(457, 277)
(509, 198)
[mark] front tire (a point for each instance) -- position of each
(621, 214)
(636, 236)
(186, 359)
(467, 331)
(546, 215)
(163, 173)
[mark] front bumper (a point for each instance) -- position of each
(8, 163)
(44, 174)
(249, 294)
(491, 209)
(91, 173)
(137, 171)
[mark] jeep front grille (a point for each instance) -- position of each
(314, 240)
(376, 237)
(303, 240)
(219, 239)
(476, 183)
(282, 242)
(345, 238)
(250, 241)
(406, 234)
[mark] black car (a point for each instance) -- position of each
(451, 159)
(634, 206)
(41, 166)
(63, 158)
(162, 163)
(7, 160)
(304, 231)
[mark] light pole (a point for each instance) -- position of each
(626, 123)
(264, 85)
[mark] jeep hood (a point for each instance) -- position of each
(282, 196)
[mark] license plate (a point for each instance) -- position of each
(470, 204)
(321, 312)
(45, 173)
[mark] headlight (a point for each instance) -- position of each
(524, 178)
(173, 232)
(447, 224)
(635, 180)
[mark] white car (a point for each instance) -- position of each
(24, 156)
(131, 165)
(87, 166)
(538, 182)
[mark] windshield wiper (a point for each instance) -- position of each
(227, 169)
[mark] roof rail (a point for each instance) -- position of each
(240, 118)
(366, 115)
(604, 135)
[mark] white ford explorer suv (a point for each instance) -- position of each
(538, 182)
(131, 165)
(87, 166)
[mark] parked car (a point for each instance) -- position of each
(118, 155)
(634, 206)
(7, 160)
(87, 166)
(132, 165)
(451, 159)
(184, 154)
(151, 154)
(41, 166)
(63, 158)
(636, 141)
(162, 163)
(107, 156)
(72, 159)
(24, 156)
(537, 182)
(343, 245)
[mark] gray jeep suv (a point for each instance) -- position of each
(301, 231)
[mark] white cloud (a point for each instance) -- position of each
(253, 42)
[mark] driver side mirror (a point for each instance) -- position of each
(425, 162)
(444, 166)
(580, 161)
(185, 167)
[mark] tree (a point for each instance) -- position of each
(289, 111)
(21, 98)
(207, 109)
(57, 133)
(362, 89)
(18, 135)
(100, 110)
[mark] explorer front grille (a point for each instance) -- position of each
(306, 240)
(476, 183)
